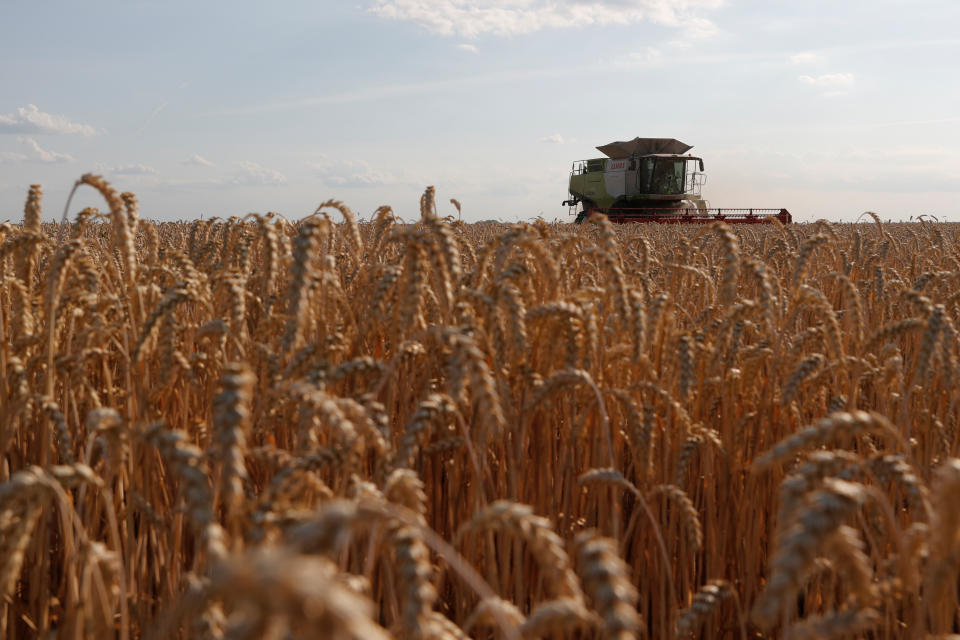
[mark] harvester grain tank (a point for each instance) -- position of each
(651, 180)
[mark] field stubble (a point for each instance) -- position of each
(251, 428)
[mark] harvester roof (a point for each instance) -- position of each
(644, 146)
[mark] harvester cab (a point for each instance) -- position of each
(650, 180)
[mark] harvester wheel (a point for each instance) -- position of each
(581, 218)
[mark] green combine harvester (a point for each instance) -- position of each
(651, 180)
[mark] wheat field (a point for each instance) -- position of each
(328, 428)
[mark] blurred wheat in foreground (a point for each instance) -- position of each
(252, 428)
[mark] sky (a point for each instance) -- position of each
(210, 108)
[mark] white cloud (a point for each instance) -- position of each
(352, 173)
(469, 48)
(253, 174)
(472, 18)
(126, 170)
(32, 152)
(244, 174)
(805, 57)
(198, 160)
(554, 139)
(652, 56)
(30, 119)
(832, 80)
(134, 170)
(932, 154)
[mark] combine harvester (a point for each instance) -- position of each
(651, 180)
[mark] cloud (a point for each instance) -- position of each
(198, 160)
(134, 170)
(912, 123)
(126, 170)
(469, 48)
(648, 58)
(30, 119)
(252, 174)
(829, 80)
(472, 18)
(244, 174)
(141, 174)
(554, 139)
(351, 174)
(805, 57)
(923, 180)
(32, 152)
(153, 114)
(931, 154)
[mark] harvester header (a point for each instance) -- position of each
(651, 180)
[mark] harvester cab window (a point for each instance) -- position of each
(643, 177)
(668, 176)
